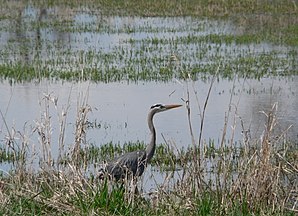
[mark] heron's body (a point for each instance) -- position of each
(134, 163)
(131, 163)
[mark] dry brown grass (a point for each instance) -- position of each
(263, 178)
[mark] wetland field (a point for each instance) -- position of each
(77, 79)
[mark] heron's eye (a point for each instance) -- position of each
(157, 106)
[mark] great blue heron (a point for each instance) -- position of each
(134, 163)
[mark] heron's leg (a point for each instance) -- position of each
(134, 186)
(136, 191)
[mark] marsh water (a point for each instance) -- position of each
(141, 61)
(119, 110)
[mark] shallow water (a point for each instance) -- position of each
(121, 108)
(54, 39)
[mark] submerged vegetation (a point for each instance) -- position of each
(147, 41)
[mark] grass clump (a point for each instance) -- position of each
(8, 156)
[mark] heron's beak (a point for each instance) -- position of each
(172, 106)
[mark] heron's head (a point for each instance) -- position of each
(161, 107)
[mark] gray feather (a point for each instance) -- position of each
(132, 163)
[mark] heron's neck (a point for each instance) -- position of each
(151, 147)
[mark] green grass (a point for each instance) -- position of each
(180, 8)
(9, 155)
(166, 158)
(248, 66)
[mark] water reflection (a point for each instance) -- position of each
(121, 109)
